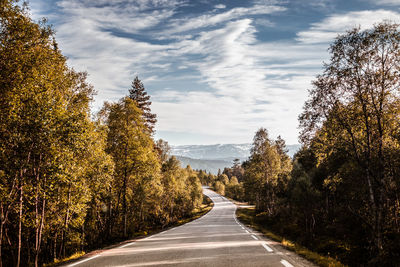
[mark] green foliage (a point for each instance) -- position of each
(136, 181)
(223, 178)
(235, 190)
(232, 181)
(138, 94)
(45, 135)
(206, 178)
(67, 182)
(182, 191)
(340, 194)
(163, 150)
(266, 172)
(219, 187)
(350, 124)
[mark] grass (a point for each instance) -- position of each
(60, 261)
(197, 213)
(248, 217)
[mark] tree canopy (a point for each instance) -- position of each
(340, 193)
(69, 182)
(139, 95)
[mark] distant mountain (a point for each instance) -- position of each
(212, 165)
(226, 152)
(214, 157)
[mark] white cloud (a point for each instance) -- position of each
(264, 23)
(244, 84)
(130, 18)
(210, 19)
(110, 60)
(246, 78)
(326, 30)
(220, 6)
(137, 5)
(386, 2)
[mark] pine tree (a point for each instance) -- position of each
(138, 93)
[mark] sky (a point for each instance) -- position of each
(216, 71)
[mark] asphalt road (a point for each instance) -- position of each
(216, 239)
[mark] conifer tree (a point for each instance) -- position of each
(138, 93)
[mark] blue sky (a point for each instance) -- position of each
(216, 70)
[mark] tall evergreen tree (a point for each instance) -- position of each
(138, 93)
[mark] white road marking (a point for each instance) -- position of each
(286, 264)
(128, 244)
(253, 236)
(267, 248)
(247, 232)
(82, 261)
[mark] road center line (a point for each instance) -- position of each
(253, 236)
(286, 264)
(267, 248)
(82, 261)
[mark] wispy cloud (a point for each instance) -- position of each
(126, 16)
(212, 19)
(227, 61)
(326, 30)
(208, 72)
(386, 2)
(242, 71)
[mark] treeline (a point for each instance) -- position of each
(69, 182)
(340, 195)
(228, 183)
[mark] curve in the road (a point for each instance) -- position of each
(216, 239)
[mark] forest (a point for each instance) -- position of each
(340, 194)
(71, 181)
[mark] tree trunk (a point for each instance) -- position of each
(40, 228)
(66, 222)
(10, 245)
(1, 236)
(109, 214)
(124, 189)
(124, 205)
(20, 223)
(4, 213)
(39, 222)
(55, 247)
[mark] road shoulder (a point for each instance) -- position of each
(82, 256)
(293, 251)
